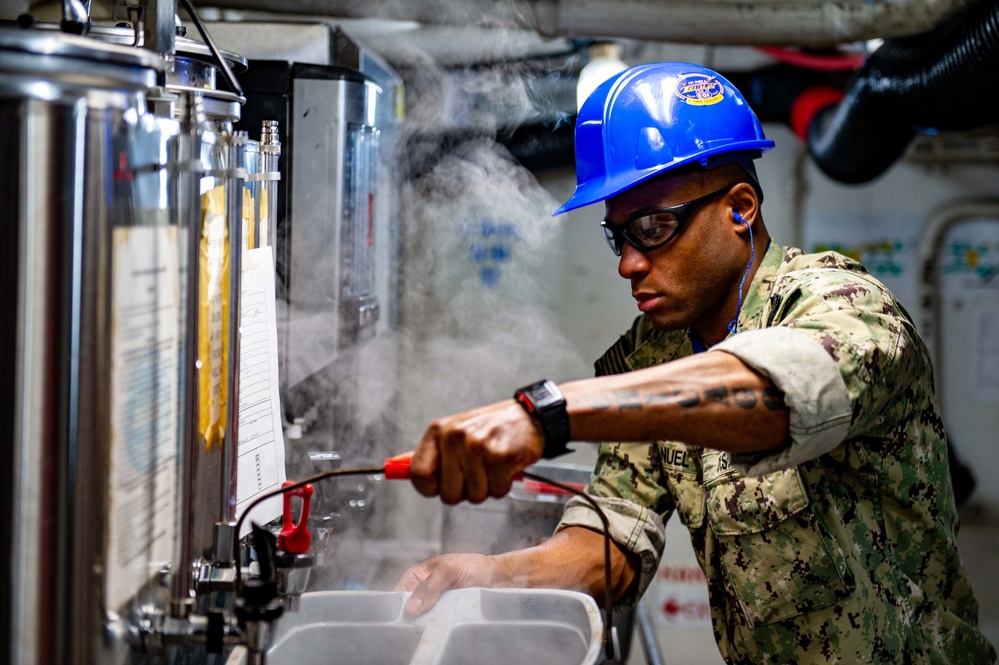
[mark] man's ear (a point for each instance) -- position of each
(745, 204)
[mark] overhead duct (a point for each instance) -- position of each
(744, 23)
(944, 80)
(747, 22)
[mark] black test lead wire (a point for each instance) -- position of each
(610, 647)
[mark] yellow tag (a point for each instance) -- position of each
(249, 220)
(264, 237)
(213, 317)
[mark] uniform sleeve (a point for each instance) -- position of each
(626, 487)
(841, 349)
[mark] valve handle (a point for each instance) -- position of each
(295, 538)
(398, 467)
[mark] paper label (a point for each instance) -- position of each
(261, 463)
(144, 408)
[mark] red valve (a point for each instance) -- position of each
(295, 538)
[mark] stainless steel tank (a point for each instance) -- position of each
(237, 190)
(94, 334)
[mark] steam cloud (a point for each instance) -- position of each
(480, 268)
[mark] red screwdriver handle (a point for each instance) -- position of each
(295, 538)
(397, 468)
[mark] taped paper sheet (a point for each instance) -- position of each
(261, 462)
(144, 399)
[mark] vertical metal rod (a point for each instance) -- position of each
(234, 198)
(270, 150)
(68, 480)
(647, 629)
(188, 176)
(160, 27)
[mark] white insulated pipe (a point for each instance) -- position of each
(733, 23)
(742, 23)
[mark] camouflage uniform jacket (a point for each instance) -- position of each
(840, 546)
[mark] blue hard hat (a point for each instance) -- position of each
(652, 119)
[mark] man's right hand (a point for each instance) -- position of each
(428, 580)
(474, 455)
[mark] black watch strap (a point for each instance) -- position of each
(544, 402)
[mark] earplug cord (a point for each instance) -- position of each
(608, 634)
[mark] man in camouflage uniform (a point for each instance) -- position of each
(812, 472)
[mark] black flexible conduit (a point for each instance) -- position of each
(947, 79)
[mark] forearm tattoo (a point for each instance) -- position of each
(634, 400)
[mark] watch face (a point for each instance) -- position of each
(543, 396)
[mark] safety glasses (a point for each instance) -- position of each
(651, 230)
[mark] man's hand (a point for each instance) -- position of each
(571, 559)
(475, 454)
(428, 580)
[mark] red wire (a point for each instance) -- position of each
(842, 62)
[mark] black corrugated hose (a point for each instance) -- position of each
(947, 79)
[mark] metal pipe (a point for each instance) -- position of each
(37, 419)
(68, 487)
(270, 149)
(159, 26)
(930, 242)
(759, 22)
(75, 17)
(647, 631)
(234, 219)
(189, 219)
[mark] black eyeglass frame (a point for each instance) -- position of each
(617, 235)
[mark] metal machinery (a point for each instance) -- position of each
(130, 204)
(335, 233)
(325, 230)
(96, 337)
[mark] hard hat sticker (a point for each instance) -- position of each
(699, 90)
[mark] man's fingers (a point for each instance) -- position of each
(452, 461)
(430, 588)
(423, 471)
(500, 481)
(412, 577)
(428, 580)
(473, 455)
(476, 480)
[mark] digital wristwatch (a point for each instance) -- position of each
(544, 402)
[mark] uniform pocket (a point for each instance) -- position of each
(777, 558)
(681, 467)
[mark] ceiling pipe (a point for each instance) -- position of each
(800, 23)
(746, 23)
